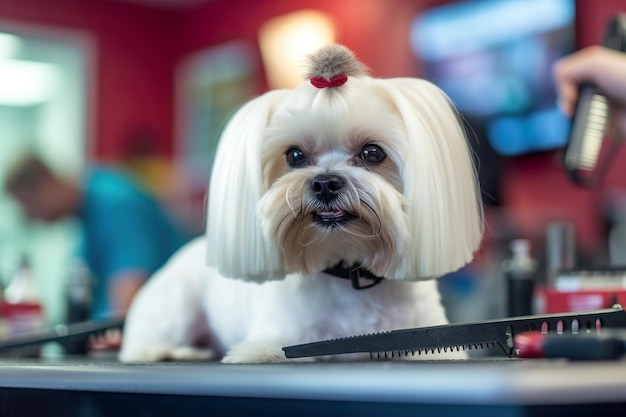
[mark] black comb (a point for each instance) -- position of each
(461, 336)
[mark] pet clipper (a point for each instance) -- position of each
(461, 336)
(583, 152)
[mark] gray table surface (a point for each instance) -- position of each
(472, 382)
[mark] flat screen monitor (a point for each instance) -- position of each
(494, 59)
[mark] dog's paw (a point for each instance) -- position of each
(258, 352)
(176, 353)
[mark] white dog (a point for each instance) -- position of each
(345, 175)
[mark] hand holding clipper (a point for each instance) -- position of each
(585, 159)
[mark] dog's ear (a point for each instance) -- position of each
(444, 206)
(235, 241)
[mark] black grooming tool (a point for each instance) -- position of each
(585, 159)
(462, 336)
(61, 333)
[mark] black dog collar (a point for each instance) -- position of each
(355, 274)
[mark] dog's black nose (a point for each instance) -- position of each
(326, 187)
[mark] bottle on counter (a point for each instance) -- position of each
(3, 324)
(79, 292)
(79, 296)
(560, 250)
(519, 272)
(21, 309)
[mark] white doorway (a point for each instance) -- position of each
(46, 105)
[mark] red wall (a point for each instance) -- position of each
(134, 64)
(376, 30)
(137, 48)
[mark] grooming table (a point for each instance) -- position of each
(479, 387)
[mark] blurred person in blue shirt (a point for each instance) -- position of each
(127, 235)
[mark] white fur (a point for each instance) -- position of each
(417, 215)
(251, 322)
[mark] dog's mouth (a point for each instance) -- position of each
(332, 217)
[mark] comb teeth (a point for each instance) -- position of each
(405, 353)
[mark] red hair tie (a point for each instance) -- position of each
(336, 81)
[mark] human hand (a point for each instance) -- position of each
(603, 67)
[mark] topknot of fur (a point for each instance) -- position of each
(333, 60)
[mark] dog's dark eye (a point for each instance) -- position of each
(373, 154)
(295, 158)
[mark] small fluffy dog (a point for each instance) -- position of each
(346, 176)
